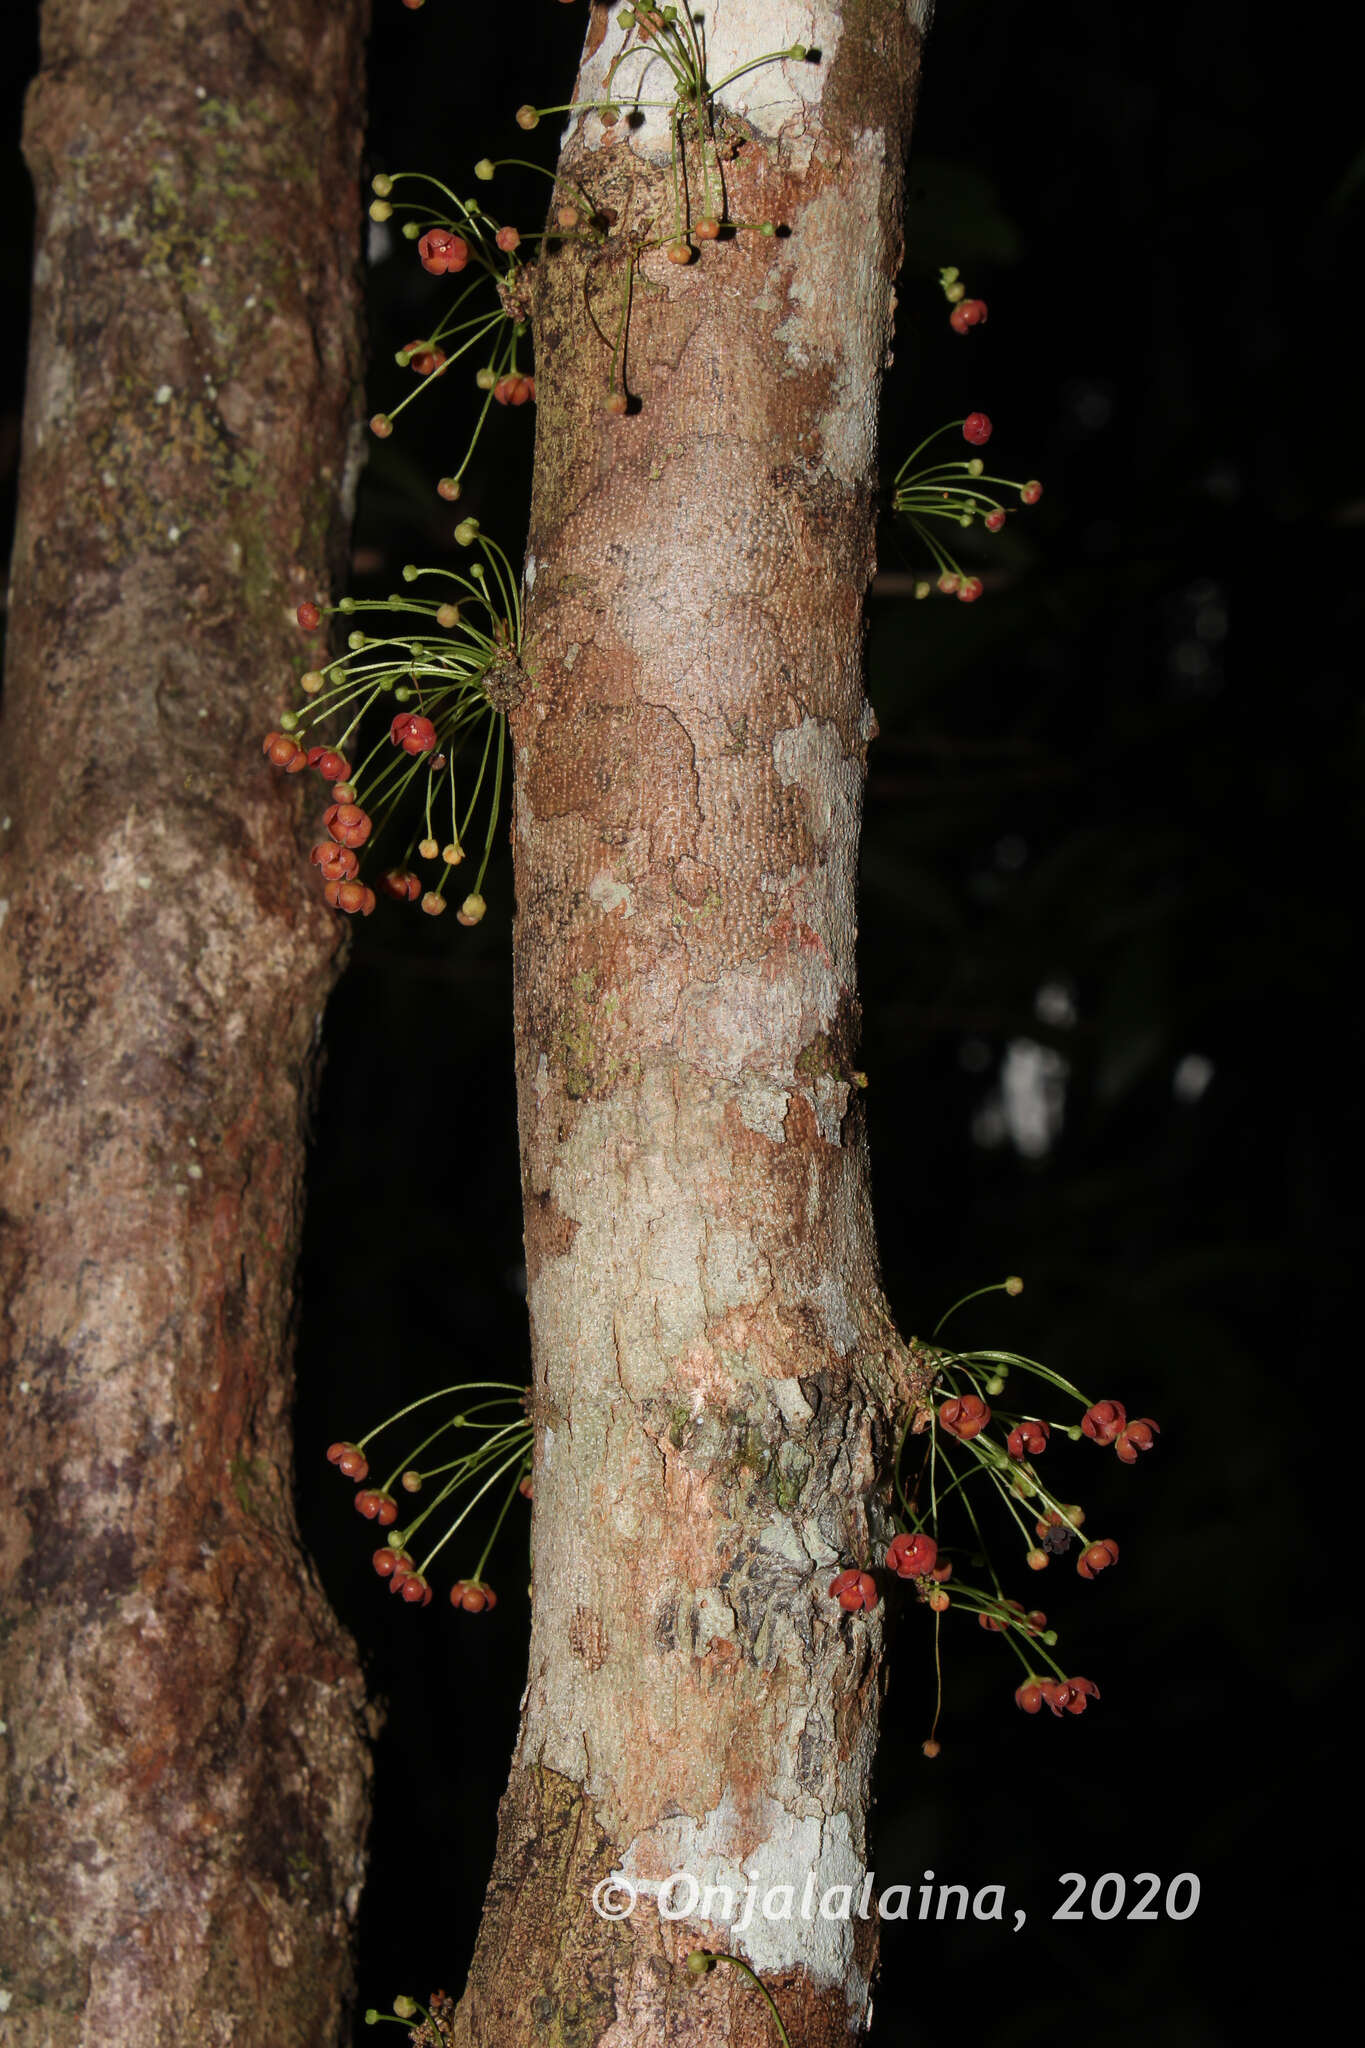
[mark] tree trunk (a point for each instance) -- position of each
(186, 1775)
(715, 1369)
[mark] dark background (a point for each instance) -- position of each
(1112, 843)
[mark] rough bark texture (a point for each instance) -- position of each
(715, 1368)
(185, 1771)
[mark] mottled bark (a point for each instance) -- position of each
(185, 1771)
(716, 1372)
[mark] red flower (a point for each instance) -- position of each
(440, 251)
(1031, 492)
(350, 1459)
(1098, 1557)
(1135, 1437)
(338, 863)
(967, 313)
(412, 1587)
(413, 733)
(910, 1557)
(1012, 1617)
(309, 617)
(995, 521)
(348, 824)
(386, 1562)
(1069, 1695)
(854, 1589)
(965, 1416)
(1028, 1439)
(969, 589)
(514, 390)
(283, 752)
(977, 429)
(331, 766)
(377, 1507)
(1029, 1695)
(352, 897)
(405, 888)
(472, 1596)
(1103, 1422)
(424, 357)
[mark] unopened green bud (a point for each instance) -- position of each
(466, 532)
(380, 209)
(381, 186)
(355, 641)
(410, 572)
(484, 168)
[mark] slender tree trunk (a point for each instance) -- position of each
(186, 1777)
(715, 1369)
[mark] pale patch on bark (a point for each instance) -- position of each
(840, 270)
(774, 100)
(808, 1853)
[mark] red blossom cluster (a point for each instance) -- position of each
(1107, 1423)
(1063, 1695)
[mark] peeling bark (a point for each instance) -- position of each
(716, 1373)
(186, 1778)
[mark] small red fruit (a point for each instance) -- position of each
(994, 521)
(1103, 1421)
(854, 1589)
(910, 1557)
(977, 429)
(970, 589)
(1031, 492)
(1098, 1557)
(1028, 1439)
(965, 1416)
(707, 230)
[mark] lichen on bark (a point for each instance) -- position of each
(185, 1771)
